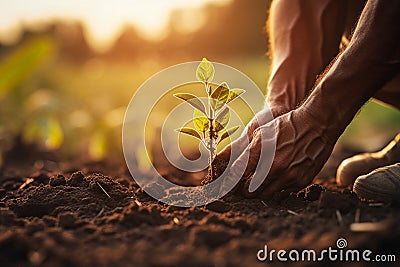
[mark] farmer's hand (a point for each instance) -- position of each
(305, 136)
(240, 144)
(301, 150)
(293, 34)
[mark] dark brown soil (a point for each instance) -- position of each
(52, 215)
(218, 167)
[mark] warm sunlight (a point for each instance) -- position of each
(103, 20)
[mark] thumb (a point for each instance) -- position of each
(233, 150)
(236, 148)
(247, 162)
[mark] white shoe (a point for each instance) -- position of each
(361, 164)
(380, 185)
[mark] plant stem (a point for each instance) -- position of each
(212, 150)
(211, 133)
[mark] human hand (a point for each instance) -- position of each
(302, 147)
(234, 149)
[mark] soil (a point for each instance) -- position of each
(52, 214)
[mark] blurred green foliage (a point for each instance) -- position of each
(19, 69)
(77, 107)
(60, 94)
(22, 63)
(372, 128)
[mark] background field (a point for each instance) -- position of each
(61, 94)
(67, 197)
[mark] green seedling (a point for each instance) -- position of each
(210, 119)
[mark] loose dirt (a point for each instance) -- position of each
(57, 215)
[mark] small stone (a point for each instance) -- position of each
(76, 178)
(42, 178)
(58, 180)
(218, 206)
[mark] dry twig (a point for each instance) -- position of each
(27, 182)
(100, 213)
(137, 202)
(105, 192)
(293, 212)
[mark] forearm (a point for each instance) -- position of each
(304, 37)
(371, 60)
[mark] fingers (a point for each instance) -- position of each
(246, 163)
(267, 146)
(244, 153)
(257, 157)
(263, 117)
(233, 150)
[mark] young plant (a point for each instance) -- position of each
(210, 120)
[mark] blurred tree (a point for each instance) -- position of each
(231, 31)
(130, 46)
(71, 41)
(235, 30)
(54, 88)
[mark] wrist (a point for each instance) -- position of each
(329, 133)
(332, 104)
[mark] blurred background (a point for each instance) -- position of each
(69, 68)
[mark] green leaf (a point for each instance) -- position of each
(222, 119)
(200, 121)
(233, 94)
(228, 133)
(192, 100)
(205, 71)
(219, 96)
(21, 63)
(189, 131)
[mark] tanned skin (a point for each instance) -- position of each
(310, 112)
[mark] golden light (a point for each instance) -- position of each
(103, 20)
